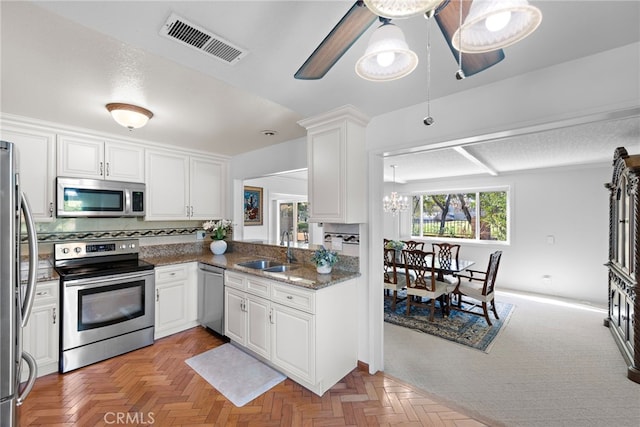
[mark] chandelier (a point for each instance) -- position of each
(395, 203)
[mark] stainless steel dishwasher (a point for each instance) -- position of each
(211, 297)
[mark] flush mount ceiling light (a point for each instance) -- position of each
(492, 25)
(388, 56)
(129, 116)
(401, 8)
(395, 203)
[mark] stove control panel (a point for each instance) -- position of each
(75, 250)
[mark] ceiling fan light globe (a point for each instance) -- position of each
(386, 42)
(385, 59)
(474, 36)
(497, 21)
(397, 9)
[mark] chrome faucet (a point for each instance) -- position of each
(290, 257)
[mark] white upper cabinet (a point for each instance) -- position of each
(167, 178)
(206, 190)
(87, 157)
(337, 166)
(36, 165)
(184, 187)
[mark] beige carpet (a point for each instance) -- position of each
(553, 365)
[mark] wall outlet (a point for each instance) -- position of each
(200, 235)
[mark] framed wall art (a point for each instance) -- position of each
(252, 205)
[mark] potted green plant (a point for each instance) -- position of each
(324, 260)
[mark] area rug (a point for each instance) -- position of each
(238, 376)
(462, 328)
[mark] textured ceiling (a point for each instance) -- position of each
(62, 61)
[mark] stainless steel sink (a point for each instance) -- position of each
(280, 268)
(260, 264)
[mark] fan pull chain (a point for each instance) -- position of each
(460, 74)
(428, 120)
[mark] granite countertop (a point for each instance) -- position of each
(45, 271)
(303, 275)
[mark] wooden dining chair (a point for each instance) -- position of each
(412, 245)
(394, 281)
(447, 254)
(423, 283)
(477, 289)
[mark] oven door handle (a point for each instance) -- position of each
(94, 282)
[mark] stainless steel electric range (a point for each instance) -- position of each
(107, 301)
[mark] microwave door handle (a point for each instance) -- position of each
(33, 260)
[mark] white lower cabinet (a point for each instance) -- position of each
(292, 328)
(176, 298)
(293, 341)
(41, 335)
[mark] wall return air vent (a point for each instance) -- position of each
(183, 31)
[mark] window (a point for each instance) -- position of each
(300, 227)
(481, 215)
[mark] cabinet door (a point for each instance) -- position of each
(41, 337)
(81, 157)
(41, 334)
(36, 164)
(172, 308)
(123, 162)
(258, 325)
(235, 319)
(326, 180)
(207, 178)
(167, 178)
(293, 341)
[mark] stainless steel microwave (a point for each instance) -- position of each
(79, 197)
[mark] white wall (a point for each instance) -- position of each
(274, 188)
(287, 156)
(570, 205)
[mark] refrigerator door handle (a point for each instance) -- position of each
(33, 369)
(33, 260)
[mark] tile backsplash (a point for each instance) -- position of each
(149, 232)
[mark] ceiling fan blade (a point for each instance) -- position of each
(449, 20)
(338, 41)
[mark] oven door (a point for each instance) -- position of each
(104, 307)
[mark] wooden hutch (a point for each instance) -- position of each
(624, 258)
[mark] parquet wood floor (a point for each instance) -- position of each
(153, 386)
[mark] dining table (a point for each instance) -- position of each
(449, 268)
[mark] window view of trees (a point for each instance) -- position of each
(479, 216)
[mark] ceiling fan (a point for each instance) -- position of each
(359, 18)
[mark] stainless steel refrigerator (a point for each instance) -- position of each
(16, 298)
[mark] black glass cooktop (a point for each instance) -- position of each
(100, 269)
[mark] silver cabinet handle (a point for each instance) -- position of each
(107, 168)
(289, 297)
(271, 316)
(54, 315)
(187, 210)
(157, 295)
(101, 169)
(192, 210)
(51, 209)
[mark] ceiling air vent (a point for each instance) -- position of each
(183, 31)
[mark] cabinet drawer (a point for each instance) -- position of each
(259, 287)
(234, 280)
(299, 298)
(46, 293)
(171, 273)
